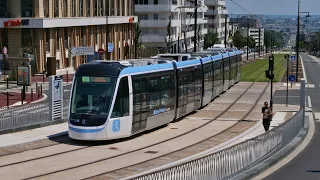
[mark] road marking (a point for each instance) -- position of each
(288, 96)
(303, 70)
(311, 86)
(309, 102)
(317, 116)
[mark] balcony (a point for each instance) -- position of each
(156, 8)
(221, 2)
(153, 38)
(199, 21)
(159, 23)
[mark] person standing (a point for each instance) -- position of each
(266, 116)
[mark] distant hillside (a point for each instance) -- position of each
(275, 16)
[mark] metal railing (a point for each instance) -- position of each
(28, 115)
(231, 162)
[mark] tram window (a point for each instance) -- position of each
(121, 106)
(154, 92)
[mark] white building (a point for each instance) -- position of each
(254, 33)
(154, 19)
(216, 13)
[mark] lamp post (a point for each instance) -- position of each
(298, 38)
(225, 30)
(247, 37)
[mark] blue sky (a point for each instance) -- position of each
(273, 7)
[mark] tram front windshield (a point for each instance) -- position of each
(92, 95)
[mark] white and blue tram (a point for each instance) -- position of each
(111, 100)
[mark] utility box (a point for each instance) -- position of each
(51, 66)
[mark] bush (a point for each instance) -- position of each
(13, 75)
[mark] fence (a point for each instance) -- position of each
(233, 161)
(28, 115)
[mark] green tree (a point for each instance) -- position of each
(210, 39)
(277, 36)
(169, 35)
(238, 40)
(252, 42)
(137, 42)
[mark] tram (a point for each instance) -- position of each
(117, 99)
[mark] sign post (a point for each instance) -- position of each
(287, 58)
(292, 78)
(56, 97)
(80, 51)
(4, 54)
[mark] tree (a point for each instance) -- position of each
(210, 39)
(252, 42)
(137, 43)
(278, 38)
(169, 35)
(238, 40)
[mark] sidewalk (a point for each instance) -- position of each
(15, 99)
(34, 79)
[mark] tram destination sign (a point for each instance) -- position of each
(80, 51)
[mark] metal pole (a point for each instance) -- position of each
(247, 38)
(225, 30)
(298, 41)
(179, 43)
(195, 25)
(287, 80)
(259, 41)
(271, 94)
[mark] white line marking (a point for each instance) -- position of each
(311, 85)
(288, 96)
(304, 71)
(309, 102)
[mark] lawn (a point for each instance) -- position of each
(256, 70)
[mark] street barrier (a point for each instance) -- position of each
(233, 161)
(28, 116)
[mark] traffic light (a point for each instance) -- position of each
(271, 63)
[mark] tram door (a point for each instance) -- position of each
(183, 94)
(140, 104)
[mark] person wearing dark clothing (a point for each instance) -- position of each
(267, 116)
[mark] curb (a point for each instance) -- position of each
(35, 126)
(275, 158)
(45, 97)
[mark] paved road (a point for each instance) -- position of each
(307, 164)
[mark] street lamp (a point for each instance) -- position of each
(298, 38)
(225, 30)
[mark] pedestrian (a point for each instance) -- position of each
(265, 120)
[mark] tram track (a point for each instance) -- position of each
(123, 154)
(142, 148)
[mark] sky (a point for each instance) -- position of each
(273, 7)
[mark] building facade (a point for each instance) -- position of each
(254, 33)
(218, 19)
(51, 28)
(155, 15)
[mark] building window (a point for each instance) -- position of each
(3, 8)
(26, 41)
(155, 16)
(143, 16)
(27, 8)
(155, 2)
(56, 8)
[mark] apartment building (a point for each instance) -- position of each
(217, 16)
(51, 28)
(254, 33)
(154, 18)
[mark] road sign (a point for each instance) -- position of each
(292, 78)
(116, 125)
(292, 58)
(5, 50)
(101, 51)
(110, 47)
(79, 51)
